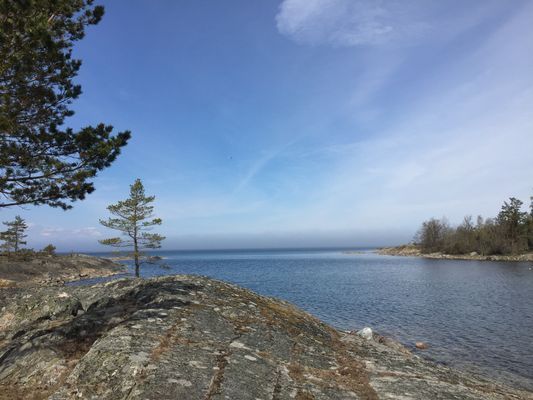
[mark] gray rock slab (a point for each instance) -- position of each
(187, 337)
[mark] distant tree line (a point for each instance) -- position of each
(510, 232)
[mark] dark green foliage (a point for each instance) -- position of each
(41, 162)
(511, 232)
(49, 250)
(513, 223)
(134, 218)
(14, 236)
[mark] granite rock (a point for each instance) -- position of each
(187, 337)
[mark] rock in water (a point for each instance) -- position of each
(421, 345)
(186, 337)
(365, 333)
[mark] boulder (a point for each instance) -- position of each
(365, 333)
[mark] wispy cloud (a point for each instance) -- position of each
(369, 116)
(255, 168)
(63, 233)
(459, 147)
(260, 163)
(371, 22)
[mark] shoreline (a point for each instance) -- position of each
(182, 334)
(55, 292)
(412, 251)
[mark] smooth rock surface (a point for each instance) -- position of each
(185, 337)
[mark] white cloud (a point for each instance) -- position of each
(461, 146)
(89, 231)
(374, 22)
(56, 232)
(51, 232)
(346, 22)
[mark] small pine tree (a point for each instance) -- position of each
(14, 236)
(49, 250)
(134, 218)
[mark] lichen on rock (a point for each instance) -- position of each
(186, 337)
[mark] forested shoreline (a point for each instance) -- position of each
(509, 233)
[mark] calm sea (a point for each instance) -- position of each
(476, 316)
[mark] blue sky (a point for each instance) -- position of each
(304, 122)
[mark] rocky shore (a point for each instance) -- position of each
(186, 337)
(57, 269)
(413, 251)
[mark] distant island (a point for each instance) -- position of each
(507, 237)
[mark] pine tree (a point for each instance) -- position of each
(41, 161)
(513, 224)
(14, 236)
(49, 250)
(134, 218)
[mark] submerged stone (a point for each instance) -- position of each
(421, 345)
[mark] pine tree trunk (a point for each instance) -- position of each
(136, 257)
